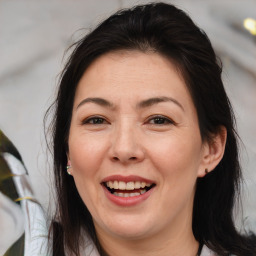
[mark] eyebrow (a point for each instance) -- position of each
(152, 101)
(143, 104)
(99, 101)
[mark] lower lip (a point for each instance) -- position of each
(127, 201)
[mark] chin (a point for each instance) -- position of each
(129, 229)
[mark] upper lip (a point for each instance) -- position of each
(126, 178)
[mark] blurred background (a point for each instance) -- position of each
(34, 35)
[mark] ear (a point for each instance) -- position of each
(213, 152)
(68, 159)
(69, 167)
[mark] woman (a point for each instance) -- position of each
(145, 130)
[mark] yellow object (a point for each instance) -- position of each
(24, 198)
(250, 25)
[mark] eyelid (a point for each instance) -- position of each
(165, 118)
(169, 120)
(89, 118)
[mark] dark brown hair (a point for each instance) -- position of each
(170, 32)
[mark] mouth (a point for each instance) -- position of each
(128, 189)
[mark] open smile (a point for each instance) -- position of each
(126, 191)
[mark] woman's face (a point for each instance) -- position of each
(135, 145)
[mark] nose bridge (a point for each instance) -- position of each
(125, 141)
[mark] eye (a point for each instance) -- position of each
(96, 120)
(160, 120)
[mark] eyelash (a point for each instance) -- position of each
(87, 121)
(167, 121)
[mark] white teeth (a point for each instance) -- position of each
(137, 184)
(110, 184)
(115, 185)
(118, 194)
(142, 191)
(131, 185)
(126, 194)
(122, 185)
(134, 194)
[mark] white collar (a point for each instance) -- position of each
(92, 250)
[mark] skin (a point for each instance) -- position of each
(128, 140)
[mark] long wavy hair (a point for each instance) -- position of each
(170, 32)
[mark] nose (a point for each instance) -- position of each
(126, 144)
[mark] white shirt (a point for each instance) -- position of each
(92, 251)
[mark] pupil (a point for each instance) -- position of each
(97, 120)
(159, 120)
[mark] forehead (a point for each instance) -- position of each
(132, 73)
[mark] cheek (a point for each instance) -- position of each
(86, 154)
(176, 157)
(177, 162)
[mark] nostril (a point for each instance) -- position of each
(131, 158)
